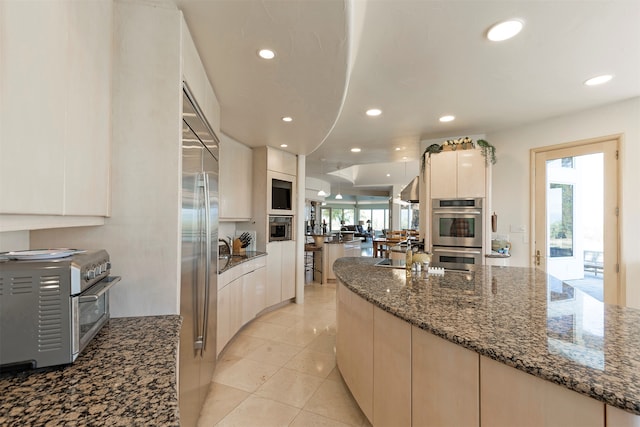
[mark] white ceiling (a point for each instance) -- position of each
(416, 60)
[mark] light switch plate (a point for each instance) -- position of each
(517, 228)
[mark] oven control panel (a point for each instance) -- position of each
(89, 268)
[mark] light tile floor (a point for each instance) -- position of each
(280, 370)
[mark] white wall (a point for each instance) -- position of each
(14, 241)
(510, 187)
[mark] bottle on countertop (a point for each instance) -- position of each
(408, 257)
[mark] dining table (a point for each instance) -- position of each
(381, 244)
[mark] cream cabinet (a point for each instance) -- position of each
(445, 383)
(511, 397)
(288, 285)
(495, 261)
(619, 418)
(236, 176)
(281, 161)
(333, 251)
(255, 291)
(457, 174)
(223, 327)
(55, 109)
(354, 346)
(274, 273)
(391, 370)
(281, 270)
(241, 296)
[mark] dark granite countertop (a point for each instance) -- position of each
(228, 262)
(126, 376)
(521, 317)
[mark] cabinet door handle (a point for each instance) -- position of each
(538, 257)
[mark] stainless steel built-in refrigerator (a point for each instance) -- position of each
(199, 270)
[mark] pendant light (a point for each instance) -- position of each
(339, 195)
(322, 193)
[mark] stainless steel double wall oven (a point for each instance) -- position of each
(457, 233)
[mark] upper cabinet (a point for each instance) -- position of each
(457, 174)
(194, 75)
(55, 110)
(236, 175)
(281, 161)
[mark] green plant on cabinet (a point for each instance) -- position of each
(488, 151)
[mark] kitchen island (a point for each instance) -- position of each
(496, 346)
(125, 376)
(334, 249)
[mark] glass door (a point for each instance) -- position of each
(576, 227)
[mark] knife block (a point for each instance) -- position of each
(237, 247)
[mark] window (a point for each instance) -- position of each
(334, 217)
(409, 218)
(379, 218)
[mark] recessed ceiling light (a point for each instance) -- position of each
(504, 30)
(388, 174)
(287, 119)
(373, 112)
(356, 150)
(598, 80)
(404, 158)
(445, 119)
(283, 145)
(397, 148)
(266, 54)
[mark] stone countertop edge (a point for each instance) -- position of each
(127, 375)
(518, 316)
(235, 260)
(497, 255)
(342, 242)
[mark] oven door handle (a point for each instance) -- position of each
(458, 251)
(97, 290)
(439, 212)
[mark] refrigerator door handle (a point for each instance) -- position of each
(207, 280)
(199, 340)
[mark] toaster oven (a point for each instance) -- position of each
(51, 308)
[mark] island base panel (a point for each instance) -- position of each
(391, 370)
(512, 397)
(445, 382)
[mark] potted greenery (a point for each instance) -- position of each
(488, 151)
(432, 149)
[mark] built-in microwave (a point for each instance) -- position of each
(280, 228)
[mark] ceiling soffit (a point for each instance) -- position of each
(306, 80)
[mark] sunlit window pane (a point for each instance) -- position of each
(560, 211)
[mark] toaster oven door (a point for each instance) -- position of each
(90, 311)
